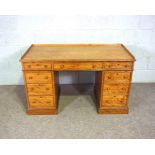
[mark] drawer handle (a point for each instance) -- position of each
(125, 77)
(47, 88)
(29, 66)
(46, 77)
(45, 66)
(93, 66)
(30, 77)
(109, 66)
(61, 66)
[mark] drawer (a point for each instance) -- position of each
(40, 89)
(122, 88)
(78, 66)
(117, 76)
(41, 102)
(118, 100)
(37, 66)
(38, 77)
(118, 65)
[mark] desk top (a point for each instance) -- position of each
(77, 52)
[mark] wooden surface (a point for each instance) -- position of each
(113, 65)
(77, 52)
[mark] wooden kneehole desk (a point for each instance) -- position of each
(113, 64)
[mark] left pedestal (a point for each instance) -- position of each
(41, 92)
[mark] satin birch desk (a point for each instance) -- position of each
(112, 63)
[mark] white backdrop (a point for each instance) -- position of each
(17, 33)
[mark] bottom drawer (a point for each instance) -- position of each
(117, 100)
(43, 102)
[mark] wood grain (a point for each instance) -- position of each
(118, 65)
(38, 77)
(40, 89)
(114, 101)
(116, 88)
(37, 66)
(117, 76)
(77, 52)
(41, 102)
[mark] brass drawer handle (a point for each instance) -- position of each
(46, 77)
(29, 66)
(30, 77)
(93, 66)
(61, 66)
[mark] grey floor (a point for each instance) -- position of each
(77, 116)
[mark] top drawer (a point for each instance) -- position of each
(117, 65)
(77, 66)
(37, 66)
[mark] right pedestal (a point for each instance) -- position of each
(112, 91)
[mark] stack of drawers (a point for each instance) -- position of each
(39, 82)
(115, 87)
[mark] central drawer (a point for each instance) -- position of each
(40, 89)
(77, 66)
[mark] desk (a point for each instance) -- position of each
(113, 64)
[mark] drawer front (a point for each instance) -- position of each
(41, 102)
(117, 76)
(38, 77)
(122, 88)
(40, 89)
(118, 65)
(78, 66)
(114, 101)
(37, 66)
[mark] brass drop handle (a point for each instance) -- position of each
(45, 66)
(29, 66)
(30, 77)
